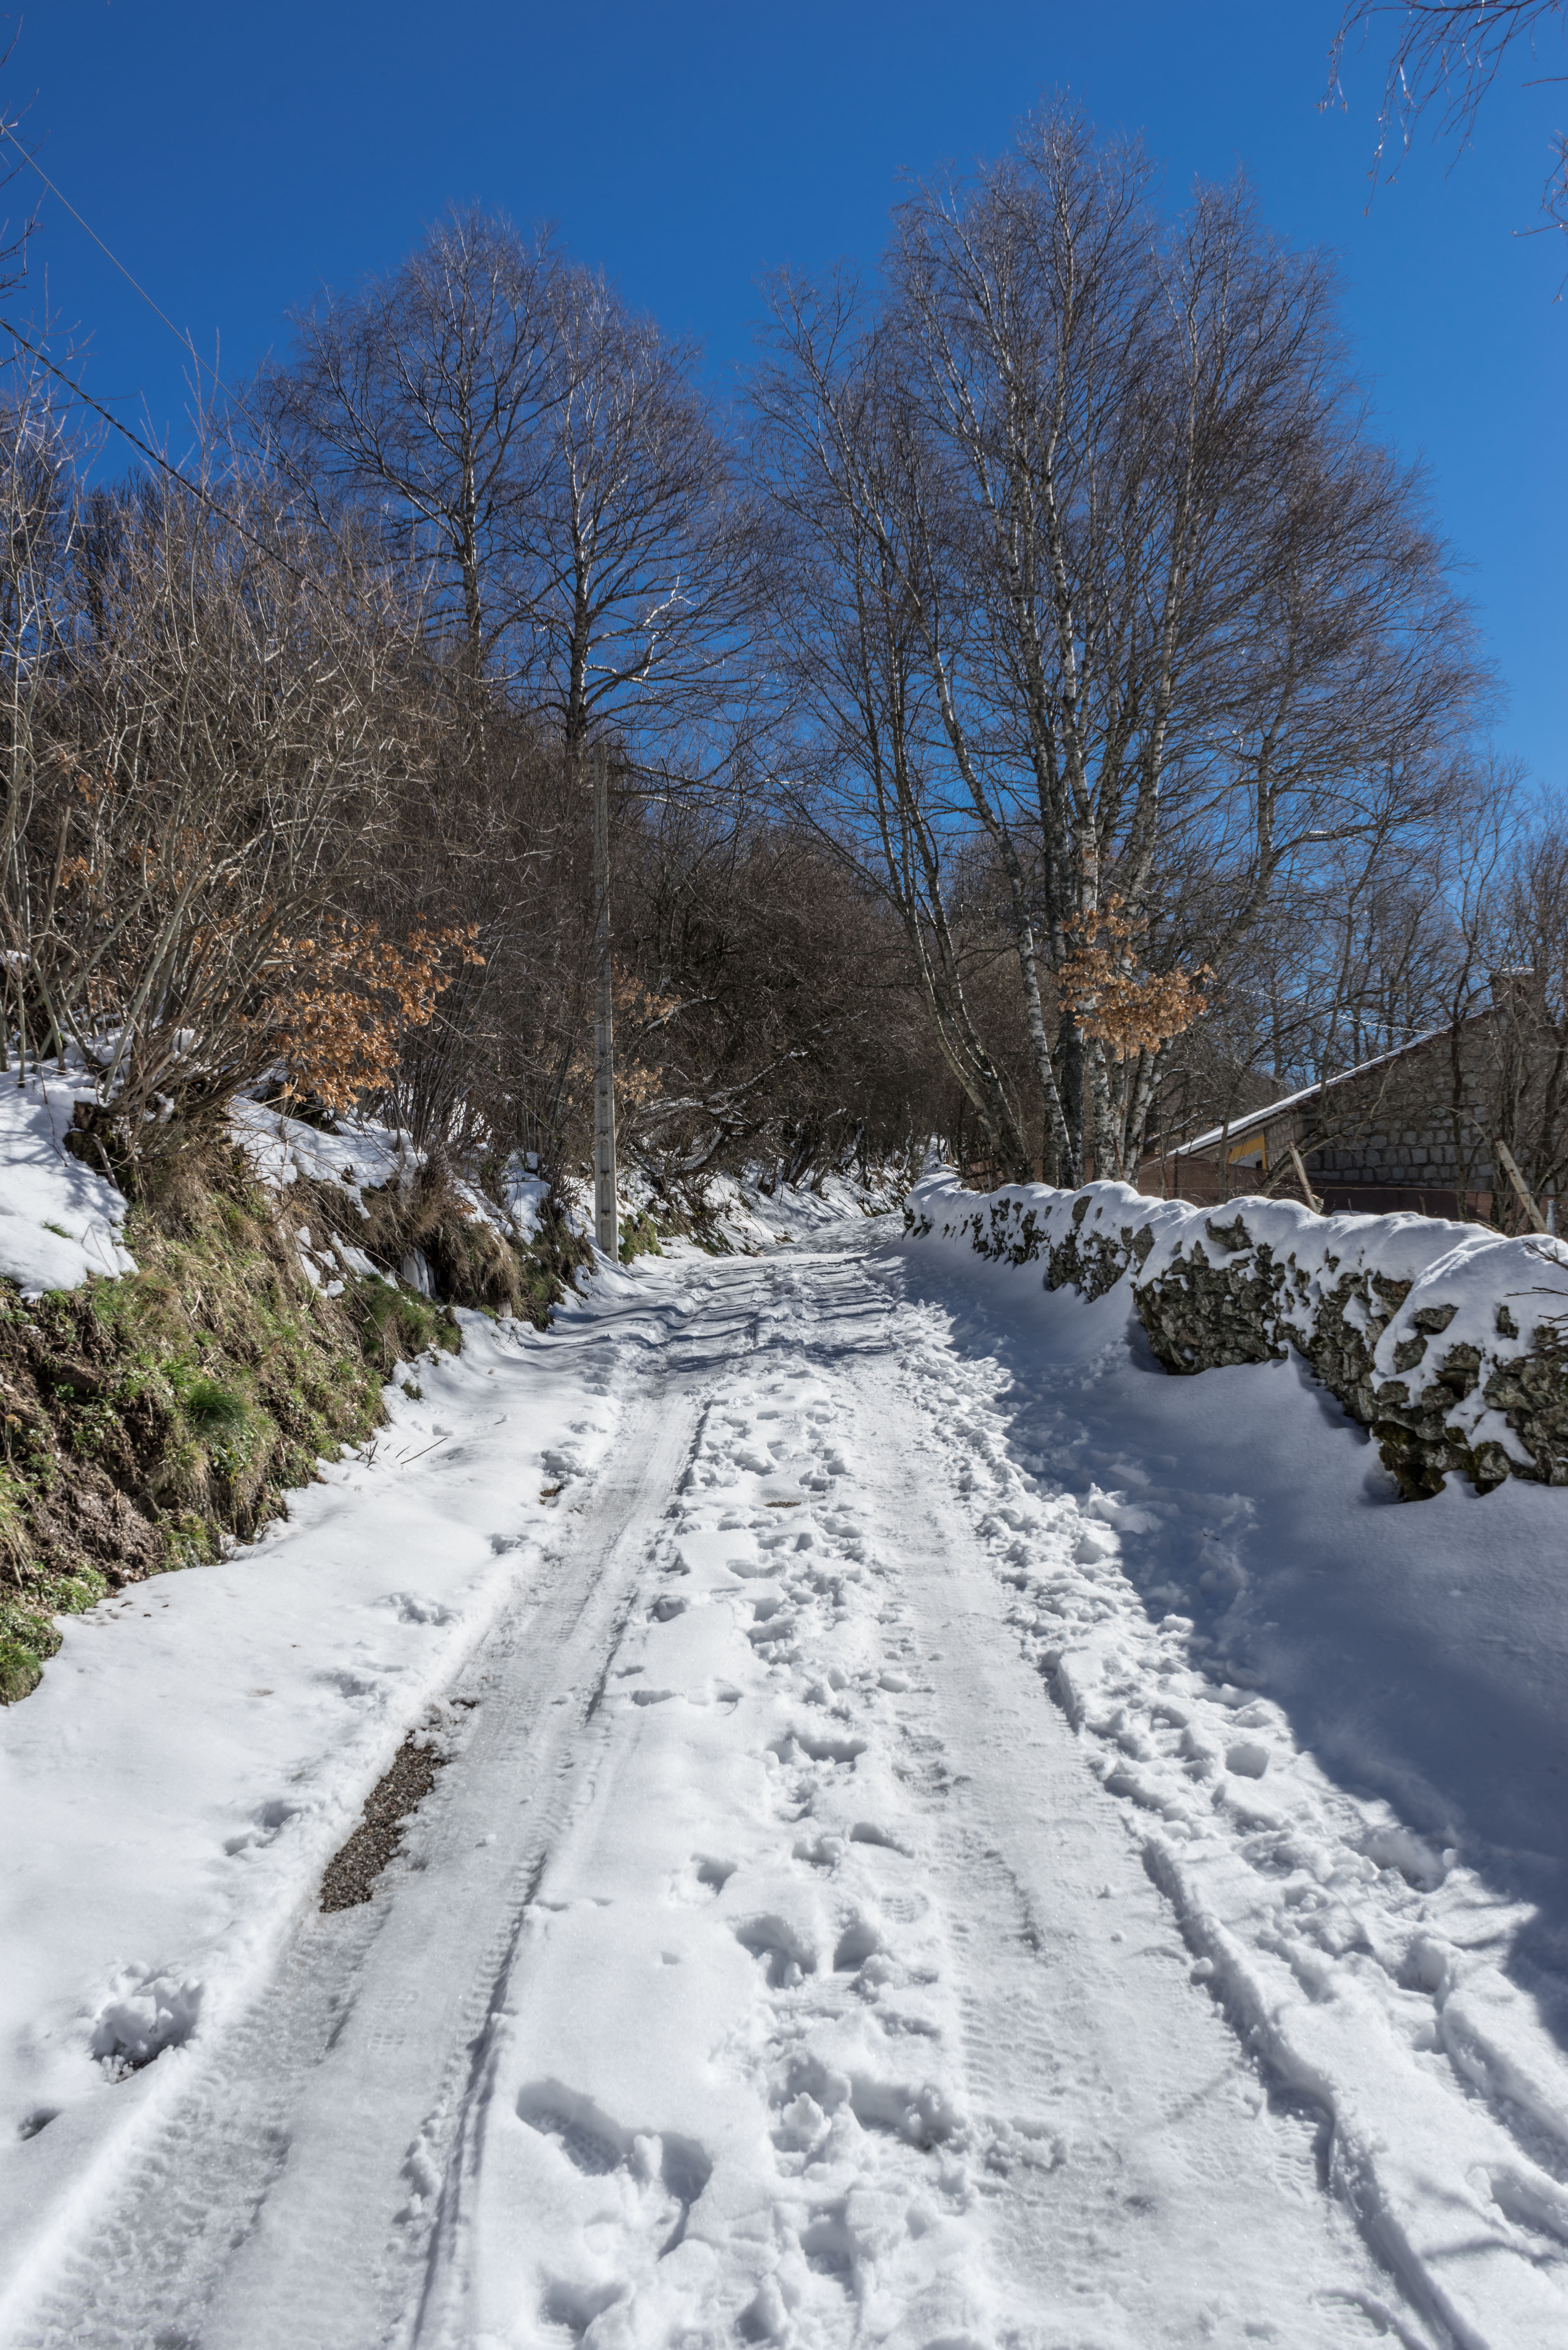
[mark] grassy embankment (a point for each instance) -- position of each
(146, 1420)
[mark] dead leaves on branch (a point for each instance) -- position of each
(1127, 1010)
(338, 1005)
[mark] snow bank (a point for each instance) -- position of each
(60, 1220)
(1369, 1301)
(1336, 1725)
(203, 1740)
(738, 1214)
(361, 1156)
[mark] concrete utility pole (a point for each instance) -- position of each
(607, 1223)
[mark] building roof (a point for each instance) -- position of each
(1240, 1128)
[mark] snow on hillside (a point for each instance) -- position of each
(360, 1154)
(59, 1220)
(62, 1222)
(744, 1214)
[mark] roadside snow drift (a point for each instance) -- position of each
(60, 1220)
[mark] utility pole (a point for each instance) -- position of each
(606, 1224)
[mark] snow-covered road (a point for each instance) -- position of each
(850, 1912)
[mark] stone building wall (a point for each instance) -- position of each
(1391, 1127)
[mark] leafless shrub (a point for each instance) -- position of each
(206, 708)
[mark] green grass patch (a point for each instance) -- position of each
(639, 1237)
(144, 1419)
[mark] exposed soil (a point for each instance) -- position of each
(352, 1876)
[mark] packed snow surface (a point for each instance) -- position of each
(948, 1837)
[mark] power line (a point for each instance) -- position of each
(7, 132)
(193, 489)
(185, 342)
(183, 339)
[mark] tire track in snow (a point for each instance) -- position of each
(819, 1944)
(820, 1996)
(280, 2200)
(1149, 2187)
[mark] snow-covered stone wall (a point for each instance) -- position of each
(1446, 1340)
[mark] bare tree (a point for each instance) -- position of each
(204, 714)
(423, 398)
(1450, 53)
(509, 420)
(12, 247)
(640, 549)
(840, 444)
(1170, 610)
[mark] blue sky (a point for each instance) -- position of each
(237, 157)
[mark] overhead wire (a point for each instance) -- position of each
(193, 489)
(8, 133)
(186, 343)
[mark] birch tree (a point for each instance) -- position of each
(637, 545)
(1448, 52)
(855, 606)
(1169, 604)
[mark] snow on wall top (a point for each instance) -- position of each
(1466, 1267)
(59, 1220)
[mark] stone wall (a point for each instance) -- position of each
(1447, 1341)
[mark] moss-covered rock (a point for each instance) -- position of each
(143, 1420)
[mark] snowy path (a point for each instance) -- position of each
(768, 1963)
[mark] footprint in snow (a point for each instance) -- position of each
(787, 1957)
(413, 1608)
(267, 1823)
(867, 1831)
(146, 2011)
(671, 2170)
